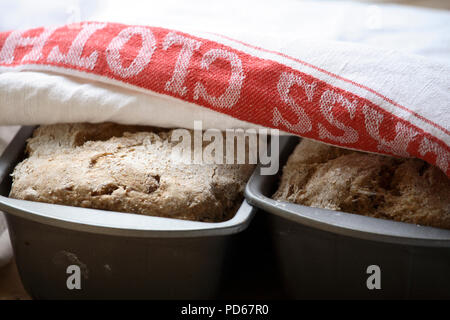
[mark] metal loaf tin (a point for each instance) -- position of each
(325, 254)
(120, 255)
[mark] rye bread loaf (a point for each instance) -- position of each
(408, 190)
(125, 168)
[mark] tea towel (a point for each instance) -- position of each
(345, 94)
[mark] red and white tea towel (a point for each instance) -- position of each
(344, 94)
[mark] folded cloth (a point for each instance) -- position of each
(6, 134)
(5, 243)
(345, 94)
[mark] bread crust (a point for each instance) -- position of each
(127, 169)
(407, 190)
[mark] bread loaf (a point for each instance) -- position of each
(407, 190)
(125, 168)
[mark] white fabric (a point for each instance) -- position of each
(6, 252)
(70, 99)
(300, 29)
(6, 134)
(304, 30)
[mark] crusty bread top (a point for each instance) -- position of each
(124, 168)
(407, 190)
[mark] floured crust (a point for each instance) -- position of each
(127, 169)
(407, 190)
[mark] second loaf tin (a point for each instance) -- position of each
(330, 254)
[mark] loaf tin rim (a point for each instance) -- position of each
(109, 222)
(342, 223)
